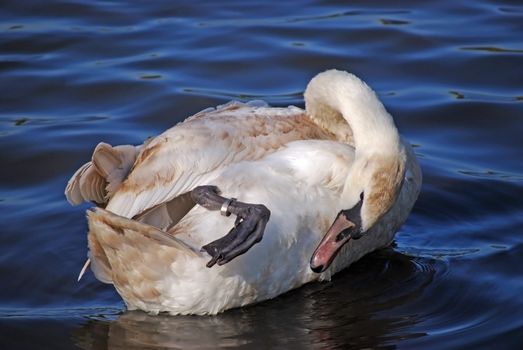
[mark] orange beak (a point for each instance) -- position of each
(338, 234)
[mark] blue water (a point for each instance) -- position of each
(74, 73)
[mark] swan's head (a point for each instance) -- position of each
(370, 192)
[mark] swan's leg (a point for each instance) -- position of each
(247, 231)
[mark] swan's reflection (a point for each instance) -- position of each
(356, 310)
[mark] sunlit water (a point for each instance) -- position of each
(451, 72)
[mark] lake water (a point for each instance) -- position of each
(74, 73)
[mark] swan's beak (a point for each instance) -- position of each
(341, 231)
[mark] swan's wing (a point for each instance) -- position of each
(194, 152)
(115, 242)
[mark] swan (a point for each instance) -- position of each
(311, 191)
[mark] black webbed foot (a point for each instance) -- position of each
(247, 231)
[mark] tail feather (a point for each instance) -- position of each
(100, 178)
(73, 191)
(92, 185)
(105, 159)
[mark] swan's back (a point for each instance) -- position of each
(135, 179)
(191, 153)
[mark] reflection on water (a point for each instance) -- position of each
(306, 318)
(74, 73)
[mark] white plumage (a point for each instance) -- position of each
(305, 166)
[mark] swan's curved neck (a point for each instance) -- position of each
(343, 104)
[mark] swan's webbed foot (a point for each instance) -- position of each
(248, 229)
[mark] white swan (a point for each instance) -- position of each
(330, 174)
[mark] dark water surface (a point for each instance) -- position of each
(451, 72)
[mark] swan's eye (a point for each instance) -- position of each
(361, 196)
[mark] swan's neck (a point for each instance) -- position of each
(346, 106)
